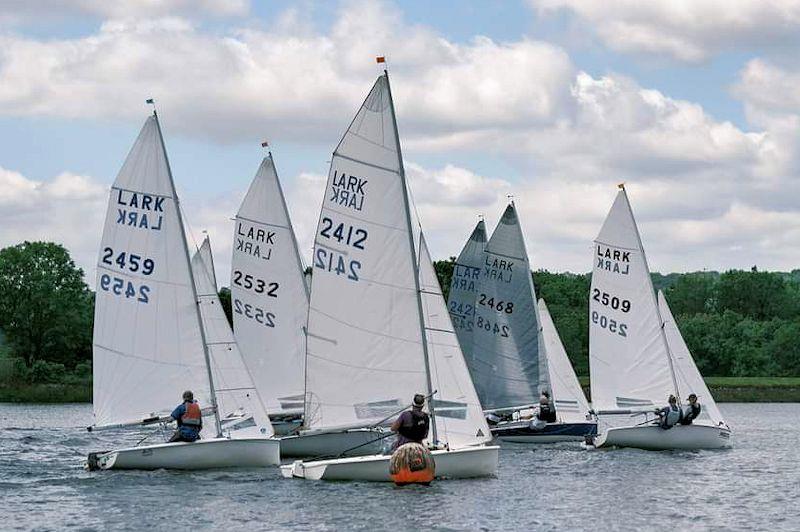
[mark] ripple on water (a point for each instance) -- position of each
(753, 485)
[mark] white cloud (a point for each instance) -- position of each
(687, 30)
(67, 209)
(13, 12)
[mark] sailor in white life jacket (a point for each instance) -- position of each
(670, 415)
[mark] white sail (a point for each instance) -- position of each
(147, 342)
(464, 288)
(506, 365)
(365, 357)
(237, 397)
(566, 391)
(458, 413)
(630, 364)
(689, 378)
(269, 296)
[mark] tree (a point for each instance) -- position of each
(444, 272)
(225, 300)
(46, 309)
(760, 295)
(693, 293)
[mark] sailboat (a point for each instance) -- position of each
(155, 333)
(269, 298)
(636, 353)
(514, 351)
(378, 327)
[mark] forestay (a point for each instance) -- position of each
(566, 391)
(365, 357)
(458, 413)
(464, 288)
(689, 378)
(630, 364)
(238, 400)
(506, 365)
(269, 296)
(147, 340)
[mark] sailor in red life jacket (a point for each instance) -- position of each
(189, 418)
(412, 425)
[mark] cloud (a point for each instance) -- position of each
(67, 209)
(685, 30)
(14, 12)
(284, 79)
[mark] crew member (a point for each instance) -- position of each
(189, 418)
(547, 410)
(691, 410)
(670, 415)
(412, 425)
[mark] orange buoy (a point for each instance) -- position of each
(412, 463)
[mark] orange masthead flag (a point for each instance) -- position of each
(380, 59)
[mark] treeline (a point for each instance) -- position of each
(737, 323)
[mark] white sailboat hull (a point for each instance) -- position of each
(357, 442)
(653, 437)
(203, 454)
(469, 462)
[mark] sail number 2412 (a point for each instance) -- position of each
(332, 261)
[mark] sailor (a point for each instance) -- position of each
(670, 415)
(189, 418)
(412, 425)
(691, 410)
(547, 410)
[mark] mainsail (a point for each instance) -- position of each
(365, 355)
(269, 295)
(148, 343)
(566, 391)
(238, 400)
(459, 416)
(464, 288)
(687, 374)
(506, 365)
(630, 362)
(379, 330)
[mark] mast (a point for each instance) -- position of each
(652, 293)
(415, 263)
(192, 282)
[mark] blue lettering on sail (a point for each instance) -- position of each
(347, 190)
(141, 211)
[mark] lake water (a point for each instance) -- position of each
(753, 486)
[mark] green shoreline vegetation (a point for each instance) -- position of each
(742, 327)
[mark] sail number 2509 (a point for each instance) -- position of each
(611, 325)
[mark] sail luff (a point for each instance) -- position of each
(192, 284)
(415, 260)
(652, 292)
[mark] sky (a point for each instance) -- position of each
(692, 103)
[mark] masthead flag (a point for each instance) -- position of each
(380, 59)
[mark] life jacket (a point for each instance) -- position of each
(690, 414)
(418, 429)
(192, 417)
(547, 412)
(670, 416)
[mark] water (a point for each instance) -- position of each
(753, 486)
